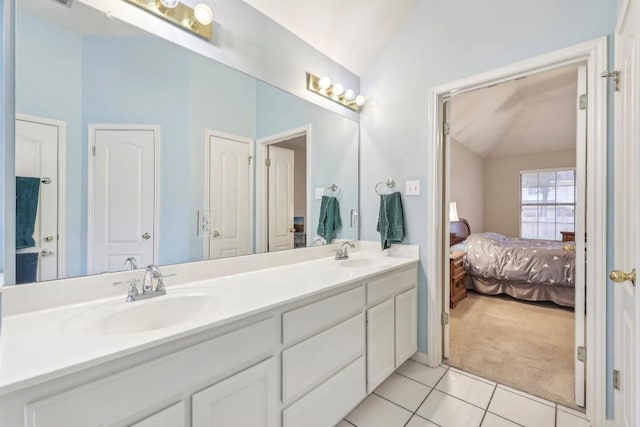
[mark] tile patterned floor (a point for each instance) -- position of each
(420, 396)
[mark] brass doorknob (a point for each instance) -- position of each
(48, 238)
(216, 233)
(292, 230)
(620, 276)
(146, 236)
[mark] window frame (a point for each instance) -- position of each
(574, 204)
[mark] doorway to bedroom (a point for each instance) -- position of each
(516, 191)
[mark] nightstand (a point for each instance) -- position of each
(457, 291)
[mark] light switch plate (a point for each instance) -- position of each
(413, 188)
(319, 193)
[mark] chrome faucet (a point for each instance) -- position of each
(343, 252)
(148, 291)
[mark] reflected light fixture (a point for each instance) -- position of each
(336, 92)
(197, 20)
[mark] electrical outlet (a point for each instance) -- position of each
(413, 188)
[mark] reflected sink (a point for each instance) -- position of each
(140, 316)
(363, 262)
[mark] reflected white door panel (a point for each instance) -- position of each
(123, 198)
(280, 198)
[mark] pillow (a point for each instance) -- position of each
(457, 247)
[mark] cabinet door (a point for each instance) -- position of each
(248, 398)
(406, 325)
(173, 416)
(380, 343)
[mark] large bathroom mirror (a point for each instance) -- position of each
(129, 147)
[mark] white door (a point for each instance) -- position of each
(580, 224)
(446, 294)
(37, 156)
(626, 217)
(280, 199)
(123, 193)
(173, 416)
(229, 197)
(406, 325)
(249, 398)
(380, 343)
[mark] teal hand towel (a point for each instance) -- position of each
(27, 193)
(330, 221)
(390, 219)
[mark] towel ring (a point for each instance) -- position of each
(335, 189)
(390, 183)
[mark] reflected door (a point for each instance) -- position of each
(280, 198)
(229, 197)
(123, 198)
(37, 156)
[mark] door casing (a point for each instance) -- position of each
(594, 53)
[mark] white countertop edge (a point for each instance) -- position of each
(17, 383)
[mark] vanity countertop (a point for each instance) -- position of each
(46, 344)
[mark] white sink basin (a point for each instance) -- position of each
(140, 316)
(363, 262)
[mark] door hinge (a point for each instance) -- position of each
(582, 354)
(93, 150)
(444, 319)
(250, 159)
(267, 162)
(446, 128)
(616, 78)
(582, 102)
(616, 379)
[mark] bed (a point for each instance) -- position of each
(531, 270)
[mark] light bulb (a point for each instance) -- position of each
(360, 100)
(324, 82)
(338, 89)
(169, 4)
(203, 14)
(349, 95)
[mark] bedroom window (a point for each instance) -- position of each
(547, 203)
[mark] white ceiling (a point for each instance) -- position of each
(350, 32)
(532, 115)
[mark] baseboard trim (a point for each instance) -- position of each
(420, 358)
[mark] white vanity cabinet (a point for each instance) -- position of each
(173, 416)
(248, 398)
(392, 335)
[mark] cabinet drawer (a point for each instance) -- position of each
(390, 285)
(307, 364)
(457, 267)
(123, 395)
(457, 285)
(328, 404)
(312, 318)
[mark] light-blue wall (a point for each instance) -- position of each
(49, 84)
(442, 41)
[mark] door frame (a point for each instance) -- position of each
(208, 133)
(594, 52)
(262, 228)
(92, 128)
(62, 184)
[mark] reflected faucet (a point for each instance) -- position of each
(343, 252)
(132, 262)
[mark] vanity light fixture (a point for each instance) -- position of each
(335, 92)
(197, 20)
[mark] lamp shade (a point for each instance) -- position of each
(453, 212)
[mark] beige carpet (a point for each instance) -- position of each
(527, 346)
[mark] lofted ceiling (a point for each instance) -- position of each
(349, 32)
(532, 115)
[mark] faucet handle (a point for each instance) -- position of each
(133, 292)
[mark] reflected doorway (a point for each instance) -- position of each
(283, 218)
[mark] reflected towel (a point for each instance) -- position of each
(27, 192)
(390, 219)
(330, 221)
